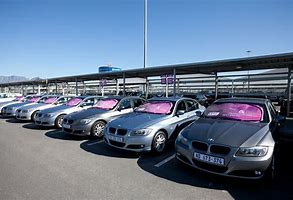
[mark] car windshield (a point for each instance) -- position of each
(74, 102)
(106, 104)
(34, 99)
(235, 111)
(18, 98)
(156, 107)
(50, 100)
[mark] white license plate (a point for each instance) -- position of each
(116, 138)
(210, 159)
(66, 126)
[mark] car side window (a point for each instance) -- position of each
(137, 102)
(181, 106)
(125, 104)
(191, 105)
(62, 100)
(89, 102)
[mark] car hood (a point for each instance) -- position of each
(19, 104)
(32, 106)
(56, 109)
(87, 113)
(227, 132)
(137, 120)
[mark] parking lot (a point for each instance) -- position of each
(48, 164)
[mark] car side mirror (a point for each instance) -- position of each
(180, 112)
(198, 113)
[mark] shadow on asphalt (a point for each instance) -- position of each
(60, 135)
(13, 120)
(36, 127)
(101, 148)
(177, 172)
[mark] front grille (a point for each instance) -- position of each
(39, 115)
(210, 167)
(121, 131)
(135, 146)
(112, 130)
(18, 110)
(220, 149)
(118, 144)
(65, 120)
(200, 146)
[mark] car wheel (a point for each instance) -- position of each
(159, 142)
(58, 121)
(98, 129)
(33, 116)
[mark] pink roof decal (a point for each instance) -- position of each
(106, 104)
(156, 107)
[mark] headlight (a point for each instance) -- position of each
(10, 108)
(49, 115)
(24, 111)
(182, 139)
(85, 121)
(252, 151)
(141, 132)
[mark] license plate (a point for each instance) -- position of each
(66, 126)
(116, 138)
(209, 159)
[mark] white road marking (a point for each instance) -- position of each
(100, 141)
(165, 161)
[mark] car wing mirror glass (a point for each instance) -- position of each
(198, 113)
(180, 112)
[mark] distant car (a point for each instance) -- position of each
(10, 110)
(151, 125)
(54, 116)
(28, 112)
(234, 137)
(93, 120)
(17, 99)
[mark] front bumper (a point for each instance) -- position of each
(238, 167)
(130, 143)
(9, 113)
(45, 121)
(23, 116)
(80, 130)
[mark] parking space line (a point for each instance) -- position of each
(165, 161)
(100, 141)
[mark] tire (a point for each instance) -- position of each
(58, 121)
(98, 129)
(159, 142)
(33, 116)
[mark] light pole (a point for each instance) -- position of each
(145, 33)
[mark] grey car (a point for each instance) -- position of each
(234, 137)
(17, 99)
(10, 110)
(92, 121)
(54, 116)
(28, 112)
(151, 125)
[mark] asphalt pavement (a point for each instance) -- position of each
(42, 163)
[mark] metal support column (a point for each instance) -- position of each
(33, 88)
(84, 87)
(76, 87)
(289, 89)
(117, 86)
(39, 89)
(216, 85)
(147, 88)
(124, 93)
(56, 87)
(174, 82)
(22, 90)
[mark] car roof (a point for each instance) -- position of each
(243, 100)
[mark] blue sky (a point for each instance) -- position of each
(52, 38)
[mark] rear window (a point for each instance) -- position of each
(73, 102)
(156, 107)
(106, 104)
(235, 111)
